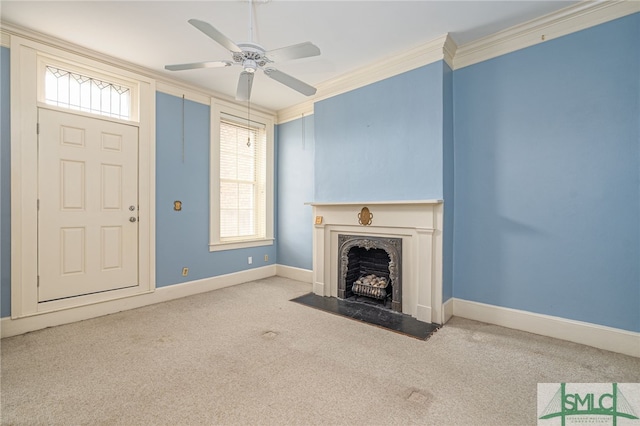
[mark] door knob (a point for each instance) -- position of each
(132, 219)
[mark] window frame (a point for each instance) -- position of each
(45, 60)
(218, 110)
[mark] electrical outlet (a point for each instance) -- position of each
(266, 257)
(250, 260)
(185, 272)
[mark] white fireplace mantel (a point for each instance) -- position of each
(417, 223)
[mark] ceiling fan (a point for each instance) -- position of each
(251, 56)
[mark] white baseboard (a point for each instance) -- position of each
(608, 338)
(298, 274)
(423, 313)
(599, 336)
(447, 310)
(12, 327)
(318, 288)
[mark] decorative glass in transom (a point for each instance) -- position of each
(83, 93)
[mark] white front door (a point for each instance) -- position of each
(88, 205)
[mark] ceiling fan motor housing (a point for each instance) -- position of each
(251, 57)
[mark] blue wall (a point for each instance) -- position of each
(539, 149)
(382, 142)
(547, 201)
(182, 238)
(5, 186)
(295, 187)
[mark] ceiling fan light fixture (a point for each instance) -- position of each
(250, 65)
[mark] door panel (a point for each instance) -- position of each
(87, 181)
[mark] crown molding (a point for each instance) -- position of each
(295, 112)
(384, 68)
(449, 50)
(435, 50)
(5, 38)
(187, 93)
(163, 83)
(574, 18)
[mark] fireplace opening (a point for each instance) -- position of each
(370, 270)
(368, 275)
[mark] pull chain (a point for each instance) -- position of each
(248, 77)
(183, 128)
(248, 124)
(303, 132)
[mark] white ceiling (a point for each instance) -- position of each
(350, 34)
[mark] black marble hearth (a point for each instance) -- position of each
(390, 320)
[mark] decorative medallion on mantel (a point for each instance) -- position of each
(365, 217)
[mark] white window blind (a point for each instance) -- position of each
(243, 157)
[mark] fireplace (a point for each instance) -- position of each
(403, 236)
(370, 268)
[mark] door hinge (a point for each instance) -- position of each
(38, 204)
(38, 280)
(37, 128)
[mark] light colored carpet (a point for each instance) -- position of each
(247, 355)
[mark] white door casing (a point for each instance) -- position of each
(88, 205)
(26, 100)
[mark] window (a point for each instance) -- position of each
(241, 178)
(71, 87)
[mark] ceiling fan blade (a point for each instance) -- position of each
(215, 35)
(196, 65)
(297, 51)
(245, 82)
(292, 82)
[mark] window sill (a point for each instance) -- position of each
(240, 244)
